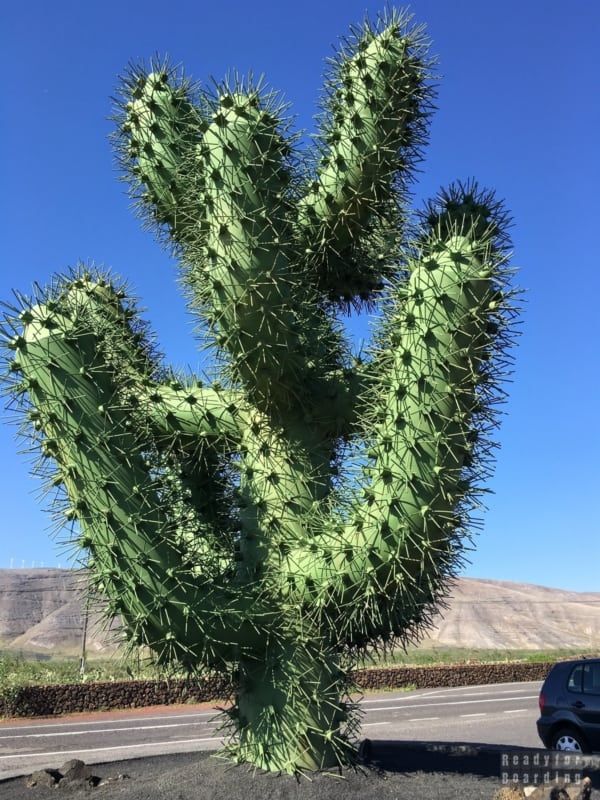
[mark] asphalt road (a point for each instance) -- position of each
(499, 714)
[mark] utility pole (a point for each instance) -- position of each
(83, 642)
(84, 635)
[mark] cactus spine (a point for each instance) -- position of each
(219, 519)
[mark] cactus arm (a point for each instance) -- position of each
(190, 411)
(167, 144)
(285, 473)
(196, 429)
(281, 344)
(374, 125)
(206, 494)
(243, 268)
(159, 130)
(73, 390)
(380, 574)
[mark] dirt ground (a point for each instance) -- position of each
(395, 773)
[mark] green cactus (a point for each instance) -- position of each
(310, 505)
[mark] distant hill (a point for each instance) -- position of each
(42, 611)
(517, 616)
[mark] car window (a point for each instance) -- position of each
(576, 679)
(591, 678)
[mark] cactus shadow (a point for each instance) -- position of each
(479, 759)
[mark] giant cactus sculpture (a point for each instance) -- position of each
(219, 519)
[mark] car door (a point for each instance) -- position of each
(583, 700)
(589, 712)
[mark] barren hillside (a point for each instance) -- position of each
(517, 616)
(42, 611)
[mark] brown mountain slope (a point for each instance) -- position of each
(516, 616)
(42, 610)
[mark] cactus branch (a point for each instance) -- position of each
(67, 355)
(432, 410)
(192, 411)
(374, 123)
(159, 126)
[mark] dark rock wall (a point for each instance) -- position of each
(32, 701)
(450, 675)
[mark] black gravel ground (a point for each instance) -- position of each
(397, 771)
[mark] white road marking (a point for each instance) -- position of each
(477, 694)
(515, 710)
(114, 721)
(100, 730)
(456, 703)
(368, 724)
(442, 693)
(422, 719)
(524, 685)
(409, 696)
(115, 747)
(478, 714)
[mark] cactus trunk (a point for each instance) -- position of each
(305, 505)
(289, 710)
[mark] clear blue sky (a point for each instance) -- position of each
(518, 109)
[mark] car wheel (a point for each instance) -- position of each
(569, 740)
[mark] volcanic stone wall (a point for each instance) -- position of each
(30, 701)
(450, 675)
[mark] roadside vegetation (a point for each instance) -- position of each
(26, 670)
(419, 657)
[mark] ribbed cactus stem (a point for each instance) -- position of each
(403, 535)
(191, 411)
(293, 691)
(162, 128)
(259, 311)
(373, 124)
(123, 523)
(282, 480)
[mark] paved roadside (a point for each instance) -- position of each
(499, 714)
